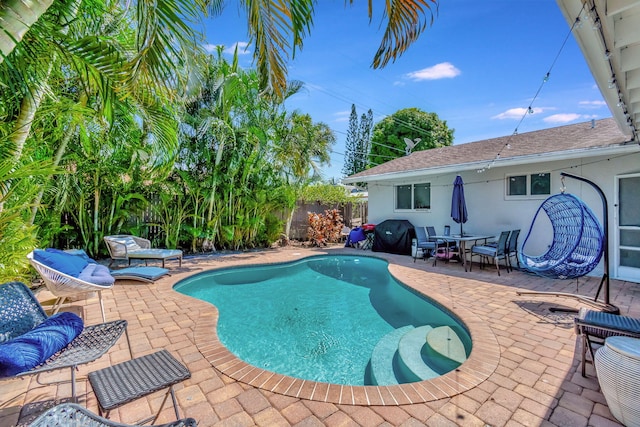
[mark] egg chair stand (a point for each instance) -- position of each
(578, 245)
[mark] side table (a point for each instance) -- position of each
(127, 381)
(617, 364)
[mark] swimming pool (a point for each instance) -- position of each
(337, 319)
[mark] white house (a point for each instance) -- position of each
(507, 178)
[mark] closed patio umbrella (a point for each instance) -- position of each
(458, 204)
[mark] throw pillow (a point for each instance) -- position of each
(97, 274)
(36, 346)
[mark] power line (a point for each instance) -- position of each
(529, 109)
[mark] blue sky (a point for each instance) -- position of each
(478, 67)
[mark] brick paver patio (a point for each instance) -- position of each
(535, 380)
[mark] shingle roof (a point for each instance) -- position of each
(598, 134)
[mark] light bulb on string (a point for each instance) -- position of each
(607, 55)
(530, 110)
(612, 82)
(578, 23)
(546, 77)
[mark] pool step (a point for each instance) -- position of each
(382, 364)
(445, 342)
(411, 363)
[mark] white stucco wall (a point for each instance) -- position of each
(490, 211)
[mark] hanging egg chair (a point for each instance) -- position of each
(578, 239)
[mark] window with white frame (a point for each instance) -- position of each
(535, 184)
(413, 196)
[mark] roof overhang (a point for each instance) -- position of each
(608, 33)
(513, 161)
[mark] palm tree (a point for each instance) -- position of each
(277, 28)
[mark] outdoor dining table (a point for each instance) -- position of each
(461, 241)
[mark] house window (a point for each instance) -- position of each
(536, 184)
(413, 196)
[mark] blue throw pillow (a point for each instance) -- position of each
(97, 274)
(61, 261)
(34, 347)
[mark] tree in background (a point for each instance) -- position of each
(358, 142)
(350, 144)
(425, 130)
(365, 131)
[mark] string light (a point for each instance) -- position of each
(545, 79)
(613, 81)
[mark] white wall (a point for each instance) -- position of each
(491, 212)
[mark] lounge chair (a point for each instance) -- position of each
(72, 414)
(127, 247)
(70, 274)
(24, 324)
(595, 326)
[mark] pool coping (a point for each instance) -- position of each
(482, 362)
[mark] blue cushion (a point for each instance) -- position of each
(61, 261)
(34, 347)
(97, 274)
(75, 252)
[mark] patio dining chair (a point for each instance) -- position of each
(512, 248)
(444, 248)
(497, 252)
(426, 245)
(26, 332)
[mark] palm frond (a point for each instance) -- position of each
(407, 19)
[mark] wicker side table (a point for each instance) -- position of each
(127, 381)
(617, 364)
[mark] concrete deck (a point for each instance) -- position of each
(524, 368)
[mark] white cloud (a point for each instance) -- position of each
(342, 116)
(242, 48)
(564, 118)
(516, 113)
(210, 47)
(444, 70)
(592, 104)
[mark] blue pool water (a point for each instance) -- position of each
(322, 318)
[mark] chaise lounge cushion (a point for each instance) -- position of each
(40, 343)
(60, 261)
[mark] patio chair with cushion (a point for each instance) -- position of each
(445, 249)
(512, 248)
(71, 414)
(70, 274)
(424, 244)
(495, 252)
(127, 247)
(595, 326)
(32, 343)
